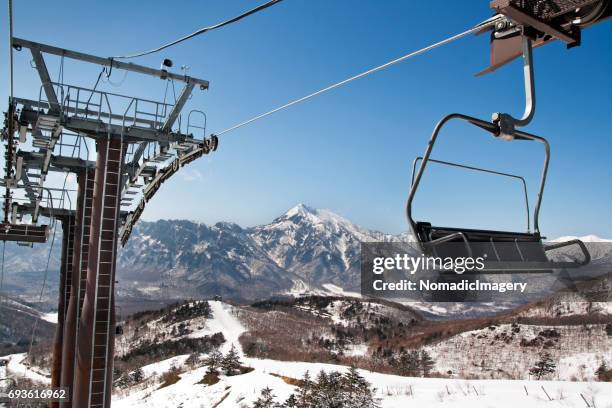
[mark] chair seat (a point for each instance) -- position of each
(497, 247)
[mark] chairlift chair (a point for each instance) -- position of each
(24, 234)
(504, 251)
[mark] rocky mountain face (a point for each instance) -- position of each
(304, 247)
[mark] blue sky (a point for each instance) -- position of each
(351, 150)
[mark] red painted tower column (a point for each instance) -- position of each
(65, 284)
(82, 220)
(96, 335)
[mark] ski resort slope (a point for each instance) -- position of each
(393, 391)
(17, 369)
(223, 321)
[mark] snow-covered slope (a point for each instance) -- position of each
(16, 368)
(223, 321)
(510, 350)
(394, 391)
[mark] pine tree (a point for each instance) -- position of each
(426, 363)
(117, 373)
(193, 359)
(305, 391)
(231, 362)
(266, 399)
(357, 391)
(213, 360)
(409, 363)
(543, 367)
(292, 402)
(137, 376)
(354, 379)
(122, 382)
(306, 381)
(413, 363)
(603, 373)
(402, 362)
(324, 390)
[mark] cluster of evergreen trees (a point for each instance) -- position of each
(129, 379)
(229, 363)
(328, 390)
(413, 364)
(409, 363)
(154, 350)
(189, 310)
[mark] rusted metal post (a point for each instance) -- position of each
(95, 342)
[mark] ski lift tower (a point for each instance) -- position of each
(133, 139)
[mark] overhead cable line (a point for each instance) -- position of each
(478, 27)
(10, 16)
(201, 31)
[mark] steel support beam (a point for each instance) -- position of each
(107, 62)
(29, 189)
(45, 79)
(95, 342)
(65, 287)
(132, 166)
(80, 256)
(178, 107)
(95, 129)
(29, 115)
(49, 212)
(56, 163)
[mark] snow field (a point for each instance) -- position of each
(394, 391)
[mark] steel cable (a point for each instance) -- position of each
(201, 31)
(481, 26)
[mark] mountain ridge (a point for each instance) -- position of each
(304, 246)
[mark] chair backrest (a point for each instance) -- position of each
(504, 245)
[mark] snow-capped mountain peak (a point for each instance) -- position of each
(324, 219)
(300, 209)
(586, 238)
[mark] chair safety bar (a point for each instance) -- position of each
(581, 245)
(449, 238)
